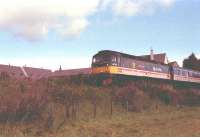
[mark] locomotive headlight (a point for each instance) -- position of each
(114, 64)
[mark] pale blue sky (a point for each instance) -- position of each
(174, 29)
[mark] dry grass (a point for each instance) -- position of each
(152, 116)
(164, 122)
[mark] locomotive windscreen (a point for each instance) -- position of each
(104, 60)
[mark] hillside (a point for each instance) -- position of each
(76, 107)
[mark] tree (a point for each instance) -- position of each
(191, 62)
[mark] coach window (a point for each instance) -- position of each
(178, 71)
(183, 73)
(195, 74)
(186, 73)
(190, 74)
(198, 74)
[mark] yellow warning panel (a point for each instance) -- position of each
(98, 70)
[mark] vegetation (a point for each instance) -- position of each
(76, 107)
(192, 62)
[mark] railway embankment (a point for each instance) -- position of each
(54, 103)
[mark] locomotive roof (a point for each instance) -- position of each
(117, 53)
(128, 56)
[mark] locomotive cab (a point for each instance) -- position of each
(105, 58)
(105, 62)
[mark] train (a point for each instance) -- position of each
(117, 63)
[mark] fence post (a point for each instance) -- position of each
(111, 106)
(95, 109)
(127, 106)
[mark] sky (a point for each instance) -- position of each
(50, 33)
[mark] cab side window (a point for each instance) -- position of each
(114, 59)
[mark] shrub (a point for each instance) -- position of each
(165, 97)
(21, 100)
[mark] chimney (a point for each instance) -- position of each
(60, 68)
(151, 55)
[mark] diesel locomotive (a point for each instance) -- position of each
(117, 63)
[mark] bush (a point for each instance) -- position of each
(21, 100)
(132, 98)
(165, 97)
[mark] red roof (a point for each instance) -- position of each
(37, 73)
(12, 71)
(17, 72)
(71, 72)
